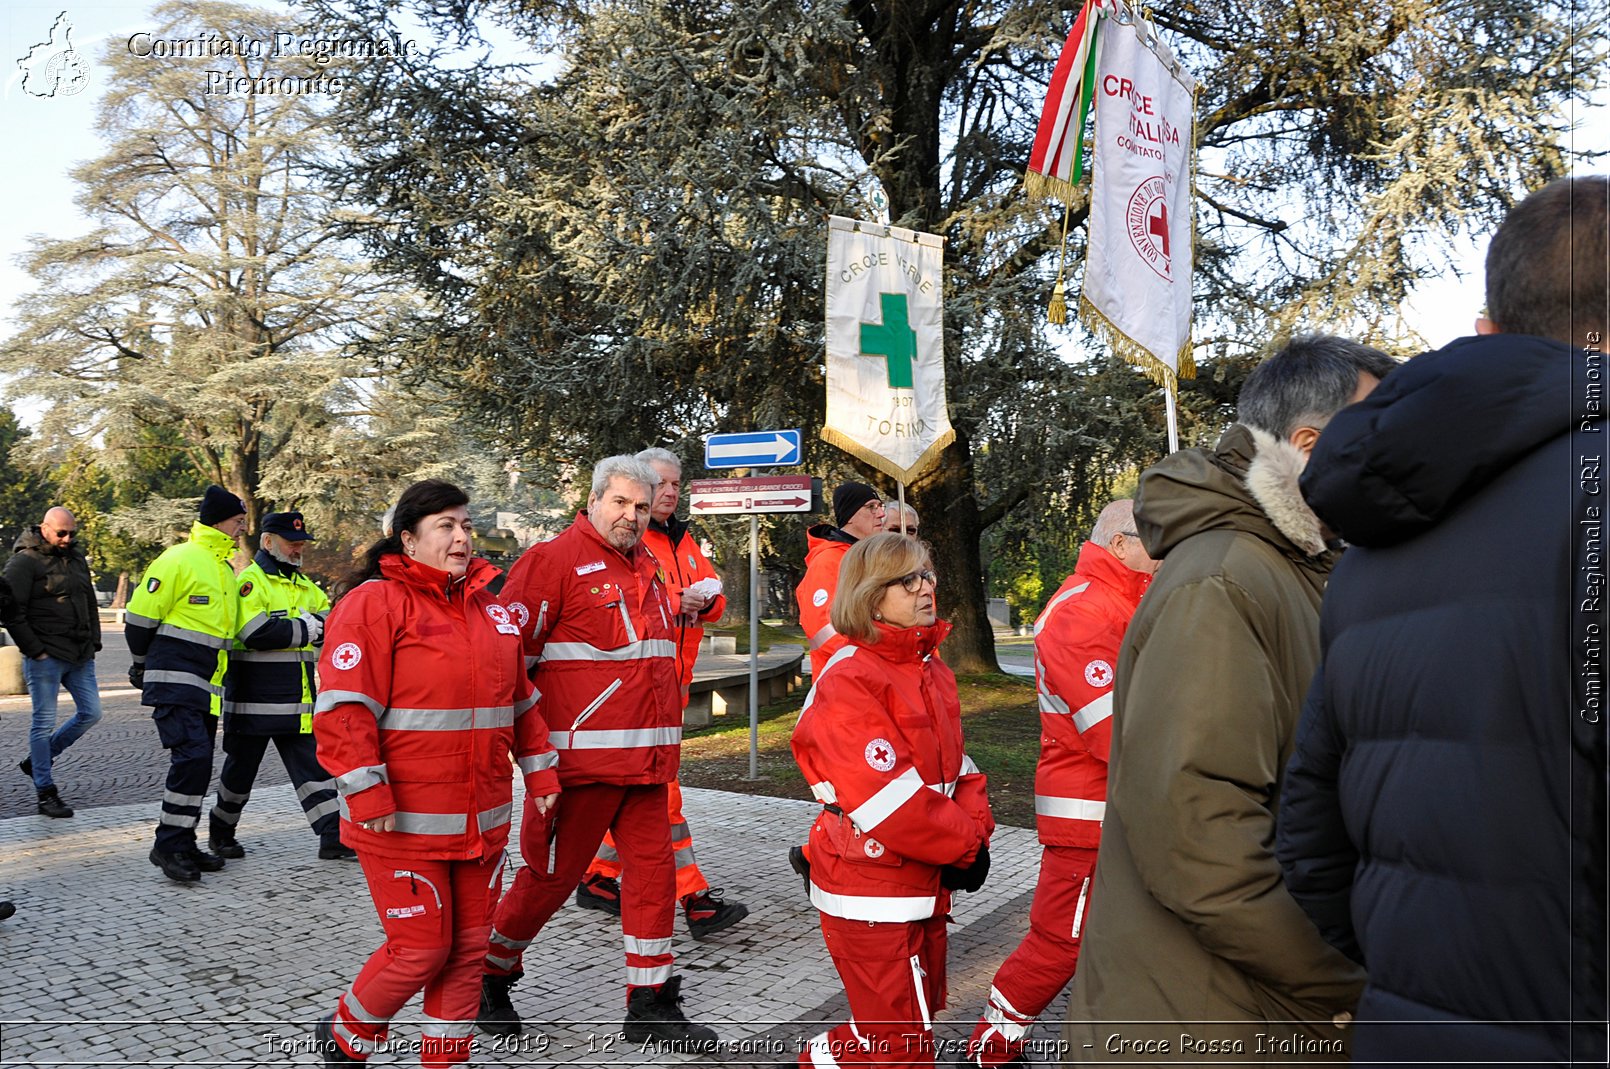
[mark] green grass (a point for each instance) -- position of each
(771, 634)
(999, 719)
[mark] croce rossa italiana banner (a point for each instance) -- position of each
(885, 346)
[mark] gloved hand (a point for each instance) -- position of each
(967, 877)
(315, 629)
(137, 676)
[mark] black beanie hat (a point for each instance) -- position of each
(849, 499)
(218, 505)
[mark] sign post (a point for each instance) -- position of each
(751, 497)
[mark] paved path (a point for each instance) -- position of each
(109, 963)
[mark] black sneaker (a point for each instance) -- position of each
(205, 860)
(337, 851)
(51, 805)
(226, 847)
(707, 914)
(324, 1043)
(27, 766)
(176, 867)
(800, 864)
(599, 892)
(6, 910)
(497, 1015)
(655, 1015)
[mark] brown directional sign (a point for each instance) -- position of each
(764, 493)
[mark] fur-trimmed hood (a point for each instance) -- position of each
(1248, 482)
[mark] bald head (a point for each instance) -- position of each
(1115, 532)
(59, 527)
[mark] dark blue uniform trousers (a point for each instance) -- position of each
(187, 734)
(315, 789)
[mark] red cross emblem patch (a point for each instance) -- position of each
(880, 754)
(1098, 673)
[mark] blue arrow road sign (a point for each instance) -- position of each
(751, 449)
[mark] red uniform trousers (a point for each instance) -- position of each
(894, 975)
(556, 851)
(1044, 962)
(689, 880)
(436, 915)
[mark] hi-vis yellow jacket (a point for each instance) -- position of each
(180, 621)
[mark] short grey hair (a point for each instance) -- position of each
(1116, 519)
(624, 466)
(1308, 381)
(655, 455)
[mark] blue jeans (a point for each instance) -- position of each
(46, 677)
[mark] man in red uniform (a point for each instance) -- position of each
(696, 599)
(857, 514)
(601, 642)
(1076, 642)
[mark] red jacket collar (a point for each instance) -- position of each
(424, 577)
(634, 556)
(1097, 563)
(906, 644)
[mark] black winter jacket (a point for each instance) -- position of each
(1443, 817)
(55, 599)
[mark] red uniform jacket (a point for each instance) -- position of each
(601, 646)
(1076, 641)
(423, 698)
(825, 547)
(683, 563)
(880, 742)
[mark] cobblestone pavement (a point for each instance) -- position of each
(107, 962)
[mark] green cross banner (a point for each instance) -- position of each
(885, 346)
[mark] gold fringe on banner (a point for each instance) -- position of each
(1057, 311)
(929, 458)
(1044, 187)
(1135, 353)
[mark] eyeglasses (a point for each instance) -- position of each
(913, 581)
(873, 504)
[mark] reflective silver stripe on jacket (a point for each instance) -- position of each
(621, 739)
(825, 793)
(890, 797)
(632, 651)
(254, 625)
(1093, 713)
(200, 638)
(1045, 614)
(492, 716)
(487, 819)
(134, 619)
(274, 656)
(525, 704)
(186, 679)
(874, 907)
(360, 779)
(821, 637)
(539, 762)
(1047, 805)
(329, 699)
(269, 708)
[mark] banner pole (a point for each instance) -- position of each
(900, 495)
(1173, 419)
(754, 646)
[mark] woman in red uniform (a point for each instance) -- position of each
(423, 698)
(905, 817)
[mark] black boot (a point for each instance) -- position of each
(176, 867)
(708, 913)
(27, 766)
(6, 910)
(221, 841)
(324, 1043)
(497, 1015)
(655, 1015)
(51, 805)
(205, 860)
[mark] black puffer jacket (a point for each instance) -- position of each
(56, 608)
(1443, 815)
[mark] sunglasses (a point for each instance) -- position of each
(65, 534)
(913, 581)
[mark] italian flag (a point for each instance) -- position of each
(1056, 164)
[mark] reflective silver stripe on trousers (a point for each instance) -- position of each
(1046, 805)
(822, 1053)
(652, 977)
(623, 739)
(1093, 714)
(186, 679)
(513, 944)
(683, 857)
(358, 1011)
(307, 790)
(493, 716)
(174, 798)
(322, 809)
(632, 651)
(360, 779)
(227, 795)
(437, 1028)
(179, 820)
(501, 963)
(362, 1046)
(185, 634)
(539, 762)
(647, 947)
(329, 699)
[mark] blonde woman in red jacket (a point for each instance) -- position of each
(423, 699)
(905, 816)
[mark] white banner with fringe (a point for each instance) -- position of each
(886, 346)
(1137, 284)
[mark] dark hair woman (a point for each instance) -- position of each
(424, 698)
(905, 816)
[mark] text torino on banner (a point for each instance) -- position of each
(885, 346)
(1137, 285)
